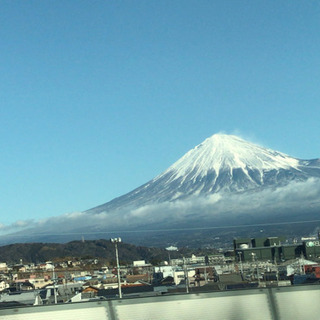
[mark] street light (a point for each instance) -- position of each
(186, 276)
(116, 241)
(54, 285)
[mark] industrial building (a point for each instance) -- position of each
(312, 249)
(274, 249)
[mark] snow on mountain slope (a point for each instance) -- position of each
(228, 155)
(222, 151)
(222, 163)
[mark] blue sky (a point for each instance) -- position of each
(98, 97)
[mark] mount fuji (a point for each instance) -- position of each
(222, 164)
(222, 186)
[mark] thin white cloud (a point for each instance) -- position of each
(297, 195)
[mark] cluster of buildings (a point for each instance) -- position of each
(253, 262)
(276, 248)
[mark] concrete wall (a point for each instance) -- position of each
(273, 303)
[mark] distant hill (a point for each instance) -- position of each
(41, 252)
(103, 249)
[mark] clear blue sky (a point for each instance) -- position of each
(98, 97)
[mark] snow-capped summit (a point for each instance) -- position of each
(223, 152)
(220, 163)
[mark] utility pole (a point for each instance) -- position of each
(277, 271)
(186, 275)
(116, 241)
(240, 260)
(205, 275)
(257, 266)
(54, 286)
